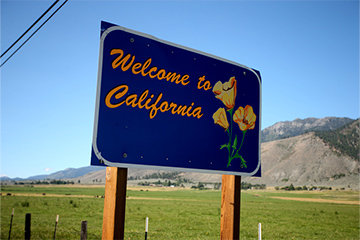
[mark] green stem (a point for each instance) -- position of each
(228, 147)
(232, 152)
(231, 124)
(242, 141)
(237, 152)
(230, 136)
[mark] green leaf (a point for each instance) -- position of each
(243, 162)
(224, 146)
(228, 163)
(235, 143)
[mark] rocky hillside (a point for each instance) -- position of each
(300, 126)
(306, 160)
(344, 140)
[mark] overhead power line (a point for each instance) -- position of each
(33, 32)
(30, 27)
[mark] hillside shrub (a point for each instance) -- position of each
(217, 185)
(26, 203)
(245, 185)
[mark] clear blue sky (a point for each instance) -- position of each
(306, 51)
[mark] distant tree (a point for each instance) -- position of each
(217, 186)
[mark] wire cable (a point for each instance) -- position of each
(34, 33)
(30, 27)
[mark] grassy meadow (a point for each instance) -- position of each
(176, 213)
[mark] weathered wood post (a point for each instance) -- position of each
(114, 204)
(27, 226)
(83, 234)
(230, 207)
(56, 222)
(11, 220)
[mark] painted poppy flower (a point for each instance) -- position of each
(226, 92)
(245, 118)
(220, 118)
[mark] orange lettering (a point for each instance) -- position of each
(117, 96)
(132, 100)
(136, 66)
(116, 63)
(127, 62)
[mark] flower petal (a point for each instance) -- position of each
(226, 92)
(245, 118)
(220, 118)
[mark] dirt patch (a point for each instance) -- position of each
(69, 186)
(149, 188)
(318, 200)
(49, 195)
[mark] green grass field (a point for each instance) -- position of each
(181, 213)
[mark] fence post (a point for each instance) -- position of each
(146, 227)
(83, 235)
(259, 231)
(27, 226)
(11, 220)
(56, 222)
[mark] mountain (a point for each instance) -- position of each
(6, 178)
(99, 176)
(300, 126)
(320, 158)
(306, 160)
(67, 173)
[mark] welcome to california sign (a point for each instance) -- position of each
(165, 106)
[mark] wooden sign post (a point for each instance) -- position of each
(114, 204)
(230, 207)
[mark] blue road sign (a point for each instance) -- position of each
(160, 105)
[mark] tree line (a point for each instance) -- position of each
(45, 182)
(291, 187)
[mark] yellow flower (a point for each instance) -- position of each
(226, 92)
(245, 118)
(220, 118)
